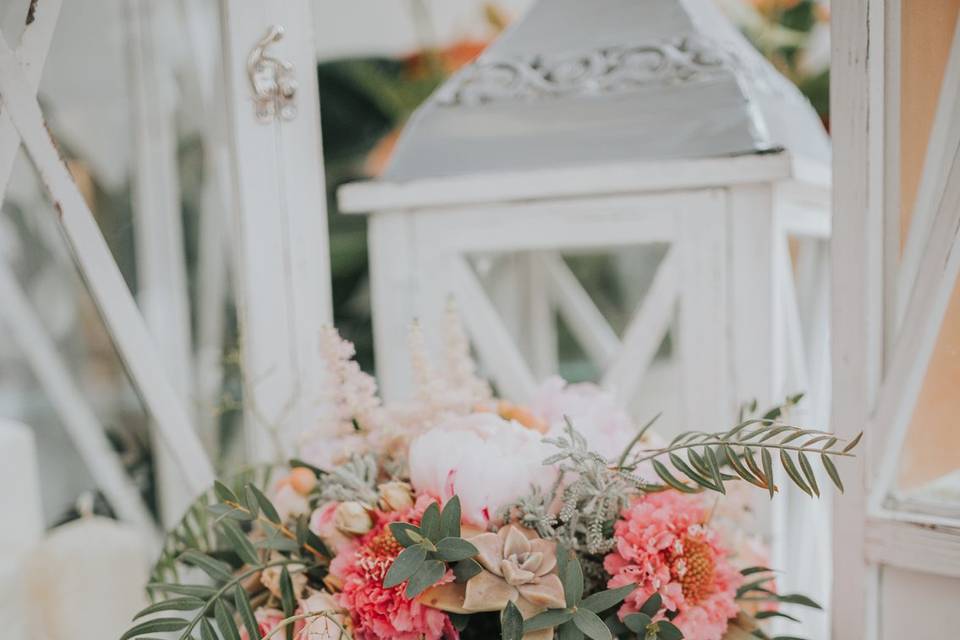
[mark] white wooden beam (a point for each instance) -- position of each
(577, 308)
(282, 258)
(937, 166)
(646, 331)
(79, 420)
(32, 52)
(492, 339)
(158, 230)
(105, 282)
(856, 247)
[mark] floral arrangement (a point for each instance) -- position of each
(461, 515)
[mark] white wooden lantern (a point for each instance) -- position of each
(595, 125)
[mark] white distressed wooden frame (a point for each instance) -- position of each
(162, 291)
(282, 265)
(18, 84)
(887, 312)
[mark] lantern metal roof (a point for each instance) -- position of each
(582, 83)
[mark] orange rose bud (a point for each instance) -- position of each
(302, 480)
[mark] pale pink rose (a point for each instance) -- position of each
(488, 461)
(267, 620)
(288, 501)
(321, 628)
(323, 523)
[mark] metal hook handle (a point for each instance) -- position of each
(272, 80)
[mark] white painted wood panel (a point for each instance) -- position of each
(282, 259)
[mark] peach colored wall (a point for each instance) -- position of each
(933, 444)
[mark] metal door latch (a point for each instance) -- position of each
(272, 81)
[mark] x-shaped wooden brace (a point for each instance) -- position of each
(21, 121)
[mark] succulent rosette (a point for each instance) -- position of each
(461, 515)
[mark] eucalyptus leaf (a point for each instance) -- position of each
(405, 533)
(668, 631)
(573, 583)
(591, 625)
(511, 622)
(547, 619)
(405, 565)
(466, 569)
(569, 631)
(653, 605)
(455, 549)
(450, 518)
(429, 573)
(603, 600)
(637, 622)
(430, 522)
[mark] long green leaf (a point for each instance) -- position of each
(217, 570)
(225, 623)
(808, 472)
(288, 599)
(853, 443)
(714, 464)
(240, 542)
(767, 461)
(157, 625)
(792, 471)
(245, 610)
(690, 472)
(669, 478)
(192, 590)
(175, 604)
(268, 509)
(831, 471)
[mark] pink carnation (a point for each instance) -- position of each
(663, 546)
(379, 613)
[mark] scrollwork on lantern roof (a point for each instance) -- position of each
(599, 71)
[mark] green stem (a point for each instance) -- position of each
(229, 585)
(759, 445)
(637, 438)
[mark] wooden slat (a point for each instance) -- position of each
(577, 308)
(491, 338)
(856, 107)
(105, 282)
(282, 263)
(646, 331)
(162, 289)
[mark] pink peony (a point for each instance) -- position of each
(663, 546)
(379, 613)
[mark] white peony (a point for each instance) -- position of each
(488, 461)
